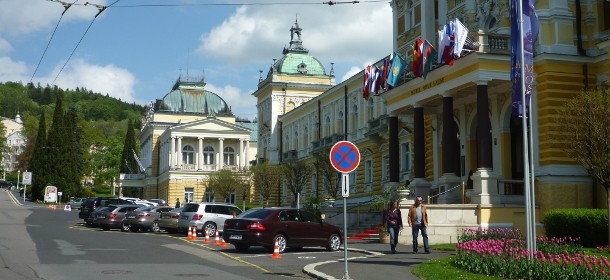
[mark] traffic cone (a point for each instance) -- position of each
(194, 233)
(217, 241)
(190, 233)
(207, 236)
(223, 244)
(276, 251)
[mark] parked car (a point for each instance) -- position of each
(112, 216)
(169, 220)
(206, 216)
(92, 203)
(144, 218)
(290, 227)
(76, 203)
(90, 221)
(160, 202)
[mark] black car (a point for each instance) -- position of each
(92, 203)
(289, 227)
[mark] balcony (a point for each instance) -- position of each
(290, 155)
(326, 142)
(378, 129)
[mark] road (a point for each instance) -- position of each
(39, 243)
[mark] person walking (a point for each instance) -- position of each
(393, 221)
(177, 203)
(418, 221)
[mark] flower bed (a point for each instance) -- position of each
(502, 253)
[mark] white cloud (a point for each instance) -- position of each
(11, 70)
(242, 103)
(341, 34)
(351, 72)
(107, 79)
(28, 16)
(5, 46)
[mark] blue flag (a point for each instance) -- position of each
(397, 68)
(529, 34)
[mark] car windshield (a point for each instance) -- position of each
(258, 213)
(144, 209)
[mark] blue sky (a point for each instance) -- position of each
(136, 53)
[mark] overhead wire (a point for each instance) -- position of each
(66, 7)
(100, 8)
(330, 3)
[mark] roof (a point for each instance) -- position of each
(191, 97)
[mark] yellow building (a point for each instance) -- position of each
(454, 127)
(187, 135)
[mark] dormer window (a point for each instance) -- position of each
(302, 68)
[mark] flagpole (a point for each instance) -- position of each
(526, 156)
(532, 177)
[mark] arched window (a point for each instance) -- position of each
(229, 156)
(289, 106)
(371, 108)
(296, 140)
(328, 127)
(340, 122)
(305, 137)
(187, 154)
(355, 120)
(208, 155)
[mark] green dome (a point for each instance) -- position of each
(296, 59)
(192, 98)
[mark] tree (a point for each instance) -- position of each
(266, 177)
(587, 118)
(38, 161)
(128, 161)
(244, 186)
(297, 173)
(75, 151)
(331, 177)
(223, 183)
(2, 140)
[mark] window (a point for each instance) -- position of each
(352, 182)
(371, 108)
(231, 198)
(328, 127)
(368, 171)
(405, 157)
(208, 155)
(209, 196)
(308, 217)
(229, 156)
(409, 16)
(187, 154)
(305, 137)
(385, 167)
(314, 184)
(340, 123)
(189, 194)
(354, 123)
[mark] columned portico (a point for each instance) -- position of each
(220, 163)
(484, 180)
(200, 153)
(449, 178)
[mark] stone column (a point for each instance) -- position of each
(420, 184)
(485, 181)
(246, 154)
(172, 153)
(200, 154)
(394, 152)
(220, 153)
(449, 179)
(179, 152)
(240, 163)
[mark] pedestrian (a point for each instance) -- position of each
(21, 192)
(418, 221)
(393, 221)
(177, 203)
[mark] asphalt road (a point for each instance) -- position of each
(39, 243)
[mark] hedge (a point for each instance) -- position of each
(591, 225)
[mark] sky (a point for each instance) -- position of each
(135, 50)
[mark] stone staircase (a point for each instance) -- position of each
(363, 232)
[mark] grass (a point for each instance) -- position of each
(441, 269)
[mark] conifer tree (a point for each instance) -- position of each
(39, 160)
(57, 147)
(128, 161)
(75, 158)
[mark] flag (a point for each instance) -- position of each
(397, 67)
(416, 58)
(460, 35)
(365, 85)
(374, 79)
(385, 72)
(142, 169)
(527, 36)
(446, 44)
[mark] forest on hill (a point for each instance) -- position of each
(97, 124)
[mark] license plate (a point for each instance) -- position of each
(235, 237)
(101, 216)
(131, 217)
(184, 218)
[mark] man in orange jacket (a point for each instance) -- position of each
(418, 221)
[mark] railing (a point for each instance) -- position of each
(379, 124)
(511, 187)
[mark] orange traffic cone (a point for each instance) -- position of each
(194, 233)
(276, 251)
(207, 236)
(217, 241)
(190, 233)
(223, 244)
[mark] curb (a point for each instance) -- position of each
(310, 269)
(15, 200)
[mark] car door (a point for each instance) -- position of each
(293, 228)
(315, 233)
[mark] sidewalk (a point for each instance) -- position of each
(378, 264)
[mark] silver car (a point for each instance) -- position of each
(144, 218)
(75, 203)
(206, 216)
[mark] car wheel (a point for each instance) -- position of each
(154, 227)
(210, 228)
(242, 247)
(334, 242)
(281, 242)
(89, 224)
(125, 227)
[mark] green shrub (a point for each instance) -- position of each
(591, 225)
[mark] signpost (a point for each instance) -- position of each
(26, 180)
(345, 157)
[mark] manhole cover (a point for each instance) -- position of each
(121, 272)
(192, 275)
